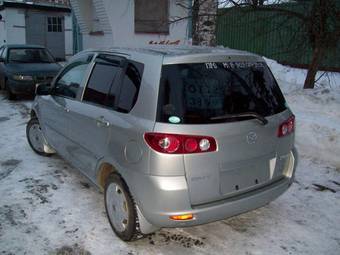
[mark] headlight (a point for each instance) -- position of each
(19, 77)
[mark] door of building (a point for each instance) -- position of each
(46, 29)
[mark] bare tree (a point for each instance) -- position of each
(204, 13)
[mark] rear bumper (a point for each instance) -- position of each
(162, 197)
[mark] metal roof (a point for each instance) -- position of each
(36, 6)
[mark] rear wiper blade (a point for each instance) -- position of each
(255, 115)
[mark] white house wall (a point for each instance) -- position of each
(103, 16)
(90, 41)
(122, 21)
(15, 25)
(116, 18)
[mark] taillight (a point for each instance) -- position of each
(286, 127)
(180, 144)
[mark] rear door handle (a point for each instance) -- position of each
(102, 122)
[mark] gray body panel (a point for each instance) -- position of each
(215, 175)
(240, 175)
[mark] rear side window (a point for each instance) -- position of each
(198, 93)
(100, 82)
(130, 87)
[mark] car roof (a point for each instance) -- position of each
(182, 54)
(174, 50)
(23, 46)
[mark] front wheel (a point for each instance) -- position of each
(36, 138)
(10, 94)
(120, 209)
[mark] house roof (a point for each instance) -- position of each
(35, 6)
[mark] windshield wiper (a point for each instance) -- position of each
(255, 115)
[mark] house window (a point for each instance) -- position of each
(54, 24)
(152, 16)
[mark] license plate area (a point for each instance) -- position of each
(245, 176)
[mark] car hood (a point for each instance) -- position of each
(33, 68)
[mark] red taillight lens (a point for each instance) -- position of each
(286, 127)
(180, 144)
(190, 145)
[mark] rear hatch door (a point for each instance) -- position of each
(216, 99)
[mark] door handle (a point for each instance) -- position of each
(66, 109)
(102, 122)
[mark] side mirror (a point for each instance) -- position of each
(74, 85)
(43, 89)
(2, 60)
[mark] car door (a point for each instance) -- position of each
(92, 117)
(54, 109)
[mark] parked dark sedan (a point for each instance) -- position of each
(23, 66)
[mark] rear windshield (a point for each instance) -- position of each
(198, 93)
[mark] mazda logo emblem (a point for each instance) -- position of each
(251, 138)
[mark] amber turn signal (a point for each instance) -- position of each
(182, 217)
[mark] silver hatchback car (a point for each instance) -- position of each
(174, 137)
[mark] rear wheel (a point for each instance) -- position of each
(121, 209)
(36, 138)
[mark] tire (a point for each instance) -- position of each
(116, 191)
(2, 84)
(10, 95)
(33, 131)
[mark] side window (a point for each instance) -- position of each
(2, 52)
(130, 88)
(100, 82)
(68, 84)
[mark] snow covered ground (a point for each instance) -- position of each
(47, 207)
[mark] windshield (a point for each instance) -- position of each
(199, 93)
(30, 56)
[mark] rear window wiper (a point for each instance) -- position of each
(255, 115)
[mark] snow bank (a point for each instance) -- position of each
(318, 123)
(295, 77)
